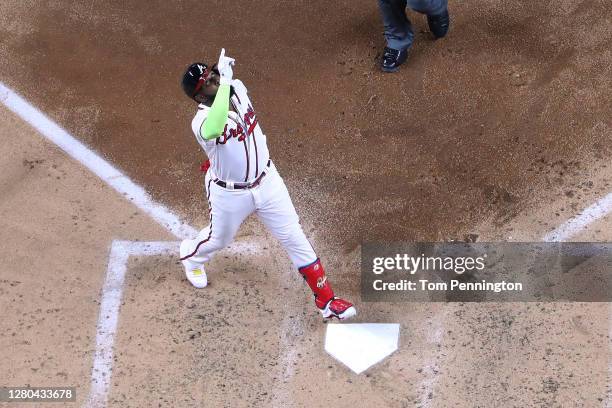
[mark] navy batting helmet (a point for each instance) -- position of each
(194, 78)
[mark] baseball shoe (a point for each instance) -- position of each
(197, 276)
(195, 273)
(338, 308)
(438, 24)
(392, 59)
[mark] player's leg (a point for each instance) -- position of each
(438, 18)
(398, 33)
(275, 209)
(228, 209)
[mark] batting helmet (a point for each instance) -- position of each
(193, 78)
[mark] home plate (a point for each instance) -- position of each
(361, 345)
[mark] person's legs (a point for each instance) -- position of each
(228, 209)
(437, 14)
(275, 209)
(398, 33)
(429, 7)
(398, 30)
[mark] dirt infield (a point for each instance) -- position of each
(501, 130)
(475, 125)
(57, 226)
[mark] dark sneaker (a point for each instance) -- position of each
(392, 59)
(439, 24)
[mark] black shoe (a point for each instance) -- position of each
(392, 59)
(438, 25)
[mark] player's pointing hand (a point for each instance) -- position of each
(225, 68)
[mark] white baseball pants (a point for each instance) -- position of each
(229, 208)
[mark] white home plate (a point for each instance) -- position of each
(361, 345)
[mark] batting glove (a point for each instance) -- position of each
(224, 66)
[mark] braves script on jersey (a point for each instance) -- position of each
(240, 154)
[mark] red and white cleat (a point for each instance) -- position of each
(338, 308)
(329, 305)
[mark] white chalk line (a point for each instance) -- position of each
(291, 330)
(110, 305)
(120, 250)
(112, 293)
(563, 232)
(579, 223)
(572, 227)
(431, 368)
(288, 358)
(96, 164)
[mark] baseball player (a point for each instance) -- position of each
(241, 180)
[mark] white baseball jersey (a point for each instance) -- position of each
(241, 153)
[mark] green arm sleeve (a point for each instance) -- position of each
(217, 117)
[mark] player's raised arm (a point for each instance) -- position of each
(213, 126)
